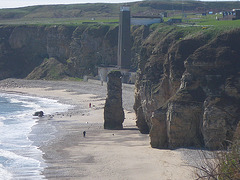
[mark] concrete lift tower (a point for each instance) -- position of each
(124, 48)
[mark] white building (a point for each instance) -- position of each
(145, 20)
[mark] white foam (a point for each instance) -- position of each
(15, 164)
(1, 124)
(49, 106)
(4, 174)
(2, 118)
(11, 156)
(23, 159)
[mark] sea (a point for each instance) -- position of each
(20, 157)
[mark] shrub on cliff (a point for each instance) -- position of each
(50, 69)
(225, 165)
(229, 166)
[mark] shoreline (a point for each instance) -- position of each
(102, 154)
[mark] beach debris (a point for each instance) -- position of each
(50, 117)
(38, 113)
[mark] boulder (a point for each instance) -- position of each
(39, 114)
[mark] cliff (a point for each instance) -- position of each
(188, 78)
(188, 88)
(31, 51)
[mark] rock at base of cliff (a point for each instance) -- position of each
(158, 133)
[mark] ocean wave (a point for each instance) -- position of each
(11, 164)
(5, 174)
(18, 156)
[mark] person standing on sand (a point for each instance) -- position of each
(84, 133)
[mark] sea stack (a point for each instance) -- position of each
(113, 110)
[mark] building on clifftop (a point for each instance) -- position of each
(124, 44)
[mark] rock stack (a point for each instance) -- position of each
(113, 110)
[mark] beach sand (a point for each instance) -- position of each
(103, 154)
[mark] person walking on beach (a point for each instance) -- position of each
(84, 133)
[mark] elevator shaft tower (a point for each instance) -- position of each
(124, 48)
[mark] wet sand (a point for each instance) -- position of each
(103, 154)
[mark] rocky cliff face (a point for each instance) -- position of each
(188, 83)
(78, 49)
(188, 89)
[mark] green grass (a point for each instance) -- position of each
(222, 165)
(108, 13)
(210, 20)
(222, 23)
(75, 14)
(230, 164)
(207, 25)
(99, 13)
(58, 21)
(75, 79)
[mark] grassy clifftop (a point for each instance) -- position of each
(77, 13)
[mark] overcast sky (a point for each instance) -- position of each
(22, 3)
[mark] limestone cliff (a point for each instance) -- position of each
(188, 88)
(188, 83)
(77, 49)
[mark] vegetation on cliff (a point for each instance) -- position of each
(99, 12)
(77, 50)
(184, 96)
(220, 165)
(187, 90)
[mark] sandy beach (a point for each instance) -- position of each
(103, 154)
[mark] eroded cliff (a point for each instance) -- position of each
(77, 50)
(188, 78)
(188, 88)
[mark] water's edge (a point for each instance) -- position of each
(25, 158)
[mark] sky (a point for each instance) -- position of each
(23, 3)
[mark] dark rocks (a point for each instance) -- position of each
(113, 111)
(38, 113)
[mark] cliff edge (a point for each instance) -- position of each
(188, 78)
(188, 88)
(33, 51)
